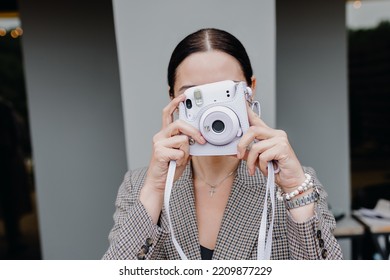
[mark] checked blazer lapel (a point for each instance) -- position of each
(238, 235)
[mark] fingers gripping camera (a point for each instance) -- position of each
(219, 111)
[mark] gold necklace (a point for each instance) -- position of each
(212, 190)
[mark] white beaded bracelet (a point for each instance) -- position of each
(306, 185)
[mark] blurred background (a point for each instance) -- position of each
(19, 234)
(73, 73)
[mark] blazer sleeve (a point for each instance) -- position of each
(314, 238)
(133, 226)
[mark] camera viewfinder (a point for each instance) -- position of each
(198, 97)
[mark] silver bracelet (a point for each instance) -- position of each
(302, 201)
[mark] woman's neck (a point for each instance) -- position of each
(213, 168)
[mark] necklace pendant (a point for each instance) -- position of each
(212, 191)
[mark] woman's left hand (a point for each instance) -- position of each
(261, 144)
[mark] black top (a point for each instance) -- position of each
(206, 253)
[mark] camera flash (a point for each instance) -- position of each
(198, 97)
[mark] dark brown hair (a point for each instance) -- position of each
(206, 40)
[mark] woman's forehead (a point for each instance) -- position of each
(207, 67)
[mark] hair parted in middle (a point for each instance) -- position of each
(204, 40)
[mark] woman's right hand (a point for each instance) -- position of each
(170, 143)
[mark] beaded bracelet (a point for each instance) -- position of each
(306, 185)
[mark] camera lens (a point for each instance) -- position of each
(218, 126)
(188, 104)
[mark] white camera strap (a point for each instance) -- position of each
(167, 197)
(264, 245)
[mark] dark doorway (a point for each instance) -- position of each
(19, 234)
(369, 104)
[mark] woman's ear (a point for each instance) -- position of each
(253, 86)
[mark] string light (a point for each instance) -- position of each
(357, 4)
(14, 33)
(19, 31)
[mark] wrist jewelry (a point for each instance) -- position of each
(302, 201)
(306, 185)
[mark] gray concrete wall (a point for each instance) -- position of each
(312, 100)
(76, 121)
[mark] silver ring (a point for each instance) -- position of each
(191, 141)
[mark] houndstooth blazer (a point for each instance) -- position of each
(238, 235)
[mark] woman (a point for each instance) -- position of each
(216, 201)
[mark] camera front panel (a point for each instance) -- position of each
(199, 97)
(218, 111)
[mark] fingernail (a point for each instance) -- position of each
(202, 140)
(238, 154)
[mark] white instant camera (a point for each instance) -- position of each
(219, 111)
